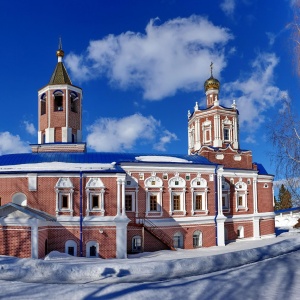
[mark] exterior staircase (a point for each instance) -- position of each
(149, 226)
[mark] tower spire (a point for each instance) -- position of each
(211, 69)
(60, 52)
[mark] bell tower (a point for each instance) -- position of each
(215, 126)
(59, 113)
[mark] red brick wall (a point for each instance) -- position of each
(265, 197)
(15, 241)
(232, 228)
(43, 236)
(267, 226)
(107, 240)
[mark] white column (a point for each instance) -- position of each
(255, 204)
(121, 239)
(256, 230)
(67, 109)
(235, 133)
(118, 196)
(35, 240)
(123, 196)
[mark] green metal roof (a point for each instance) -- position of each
(60, 75)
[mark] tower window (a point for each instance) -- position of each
(58, 103)
(74, 102)
(226, 134)
(43, 104)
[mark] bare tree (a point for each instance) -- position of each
(285, 136)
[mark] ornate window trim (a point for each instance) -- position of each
(154, 187)
(95, 188)
(177, 187)
(241, 196)
(64, 188)
(199, 188)
(206, 132)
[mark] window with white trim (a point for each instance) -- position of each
(64, 196)
(227, 130)
(178, 240)
(71, 247)
(241, 196)
(153, 187)
(137, 243)
(177, 195)
(176, 198)
(240, 232)
(199, 192)
(197, 239)
(92, 249)
(95, 191)
(206, 131)
(225, 195)
(131, 190)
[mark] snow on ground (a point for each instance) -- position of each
(253, 267)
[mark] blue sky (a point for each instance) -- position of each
(142, 65)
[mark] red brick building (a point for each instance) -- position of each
(60, 197)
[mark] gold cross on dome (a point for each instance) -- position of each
(211, 69)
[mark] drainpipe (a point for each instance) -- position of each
(81, 218)
(216, 204)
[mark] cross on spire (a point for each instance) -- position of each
(211, 69)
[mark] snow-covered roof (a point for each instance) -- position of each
(107, 162)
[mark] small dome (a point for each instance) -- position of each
(60, 53)
(211, 83)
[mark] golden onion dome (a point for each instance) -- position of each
(211, 83)
(60, 53)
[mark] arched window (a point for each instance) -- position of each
(240, 232)
(43, 104)
(197, 239)
(58, 100)
(137, 243)
(92, 249)
(178, 240)
(20, 199)
(74, 102)
(71, 247)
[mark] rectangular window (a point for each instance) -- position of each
(223, 201)
(64, 201)
(176, 202)
(199, 202)
(95, 201)
(43, 107)
(153, 203)
(71, 250)
(128, 202)
(58, 103)
(240, 201)
(226, 134)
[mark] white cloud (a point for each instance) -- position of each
(167, 138)
(257, 90)
(12, 144)
(166, 58)
(112, 135)
(30, 128)
(228, 7)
